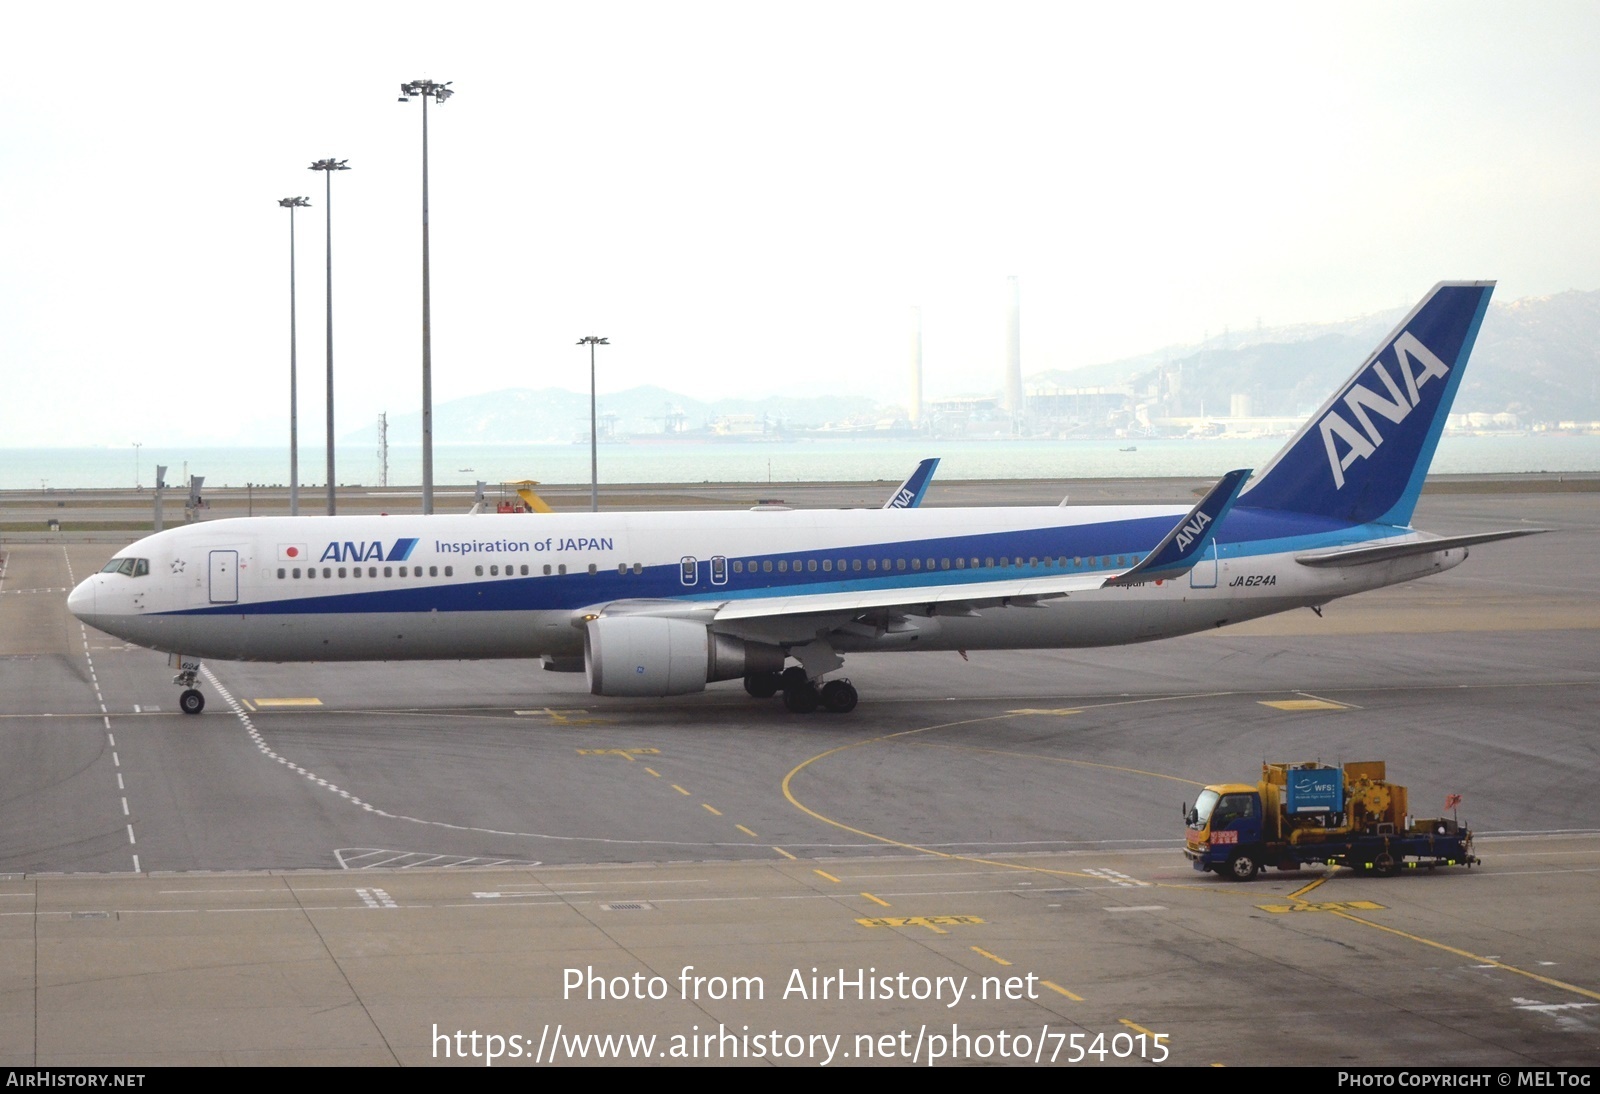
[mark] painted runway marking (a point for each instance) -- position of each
(1301, 704)
(376, 898)
(1116, 877)
(379, 858)
(626, 753)
(267, 703)
(934, 923)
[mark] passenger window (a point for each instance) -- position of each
(766, 566)
(494, 571)
(622, 567)
(811, 565)
(738, 567)
(449, 571)
(341, 571)
(280, 573)
(916, 564)
(327, 571)
(433, 571)
(872, 564)
(594, 568)
(638, 568)
(688, 570)
(546, 569)
(783, 565)
(827, 565)
(855, 565)
(297, 571)
(561, 569)
(944, 563)
(478, 571)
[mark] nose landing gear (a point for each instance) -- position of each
(191, 701)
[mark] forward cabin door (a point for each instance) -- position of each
(224, 577)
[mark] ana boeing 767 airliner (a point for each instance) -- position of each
(652, 604)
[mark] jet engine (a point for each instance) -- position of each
(644, 655)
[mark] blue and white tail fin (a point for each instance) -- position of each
(1363, 456)
(909, 496)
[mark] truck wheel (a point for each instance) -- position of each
(1385, 865)
(1242, 867)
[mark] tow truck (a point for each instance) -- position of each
(1301, 813)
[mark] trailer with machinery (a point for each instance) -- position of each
(1303, 813)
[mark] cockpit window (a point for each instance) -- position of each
(131, 567)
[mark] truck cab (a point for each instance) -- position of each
(1225, 822)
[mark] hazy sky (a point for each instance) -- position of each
(748, 197)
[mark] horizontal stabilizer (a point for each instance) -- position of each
(1182, 547)
(1382, 552)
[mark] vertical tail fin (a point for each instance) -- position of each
(1363, 456)
(909, 496)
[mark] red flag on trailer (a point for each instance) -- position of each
(1452, 800)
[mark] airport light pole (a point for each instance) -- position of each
(438, 92)
(330, 166)
(594, 438)
(292, 204)
(136, 446)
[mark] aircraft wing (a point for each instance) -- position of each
(1182, 547)
(1358, 554)
(806, 612)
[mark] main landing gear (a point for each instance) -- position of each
(800, 694)
(191, 701)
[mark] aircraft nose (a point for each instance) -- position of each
(80, 601)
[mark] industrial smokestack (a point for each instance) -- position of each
(1013, 395)
(916, 366)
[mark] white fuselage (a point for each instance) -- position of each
(493, 585)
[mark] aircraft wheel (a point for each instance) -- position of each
(761, 685)
(839, 696)
(1242, 867)
(192, 701)
(793, 677)
(801, 700)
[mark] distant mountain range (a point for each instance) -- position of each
(1538, 358)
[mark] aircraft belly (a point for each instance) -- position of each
(388, 636)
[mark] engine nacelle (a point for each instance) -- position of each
(644, 655)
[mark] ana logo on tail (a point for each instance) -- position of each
(1417, 365)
